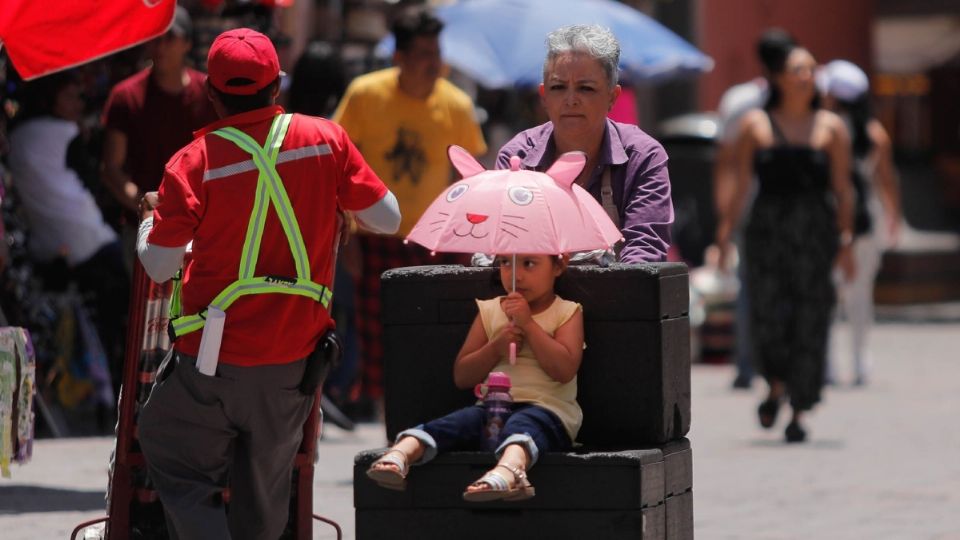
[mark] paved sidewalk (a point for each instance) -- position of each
(882, 462)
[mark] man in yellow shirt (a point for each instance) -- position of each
(403, 119)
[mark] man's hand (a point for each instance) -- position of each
(148, 202)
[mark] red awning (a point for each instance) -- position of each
(45, 36)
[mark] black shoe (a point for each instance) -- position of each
(767, 412)
(742, 383)
(795, 433)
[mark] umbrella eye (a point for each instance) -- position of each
(456, 192)
(520, 196)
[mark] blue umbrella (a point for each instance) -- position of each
(501, 43)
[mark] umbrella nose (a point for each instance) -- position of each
(476, 218)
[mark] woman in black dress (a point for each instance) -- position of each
(799, 227)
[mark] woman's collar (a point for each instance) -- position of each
(611, 150)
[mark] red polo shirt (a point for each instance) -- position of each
(207, 196)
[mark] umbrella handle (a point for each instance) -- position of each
(513, 287)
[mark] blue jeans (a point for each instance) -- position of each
(533, 427)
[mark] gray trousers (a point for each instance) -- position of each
(242, 429)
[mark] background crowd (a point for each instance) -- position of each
(810, 197)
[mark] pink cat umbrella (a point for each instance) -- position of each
(515, 211)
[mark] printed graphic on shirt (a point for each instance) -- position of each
(407, 156)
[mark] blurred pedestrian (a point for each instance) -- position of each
(318, 81)
(845, 90)
(801, 223)
(626, 169)
(403, 119)
(65, 224)
(148, 117)
(772, 48)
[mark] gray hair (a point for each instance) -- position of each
(592, 39)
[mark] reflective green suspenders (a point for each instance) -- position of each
(269, 190)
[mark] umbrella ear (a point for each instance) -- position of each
(463, 162)
(567, 168)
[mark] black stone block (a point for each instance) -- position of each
(678, 463)
(418, 374)
(510, 524)
(630, 395)
(654, 524)
(445, 293)
(625, 480)
(679, 517)
(633, 384)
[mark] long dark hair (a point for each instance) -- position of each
(777, 67)
(859, 113)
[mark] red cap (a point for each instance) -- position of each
(242, 54)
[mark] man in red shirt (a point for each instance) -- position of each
(148, 117)
(257, 193)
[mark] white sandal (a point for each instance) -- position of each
(387, 477)
(500, 489)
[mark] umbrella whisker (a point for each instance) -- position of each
(508, 232)
(514, 225)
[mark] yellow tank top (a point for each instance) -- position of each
(530, 384)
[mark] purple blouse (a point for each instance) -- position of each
(638, 172)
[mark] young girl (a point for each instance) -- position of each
(548, 332)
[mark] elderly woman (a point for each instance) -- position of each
(626, 169)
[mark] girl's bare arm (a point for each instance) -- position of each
(478, 355)
(560, 355)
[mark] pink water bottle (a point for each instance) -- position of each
(498, 403)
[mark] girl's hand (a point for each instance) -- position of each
(510, 333)
(517, 308)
